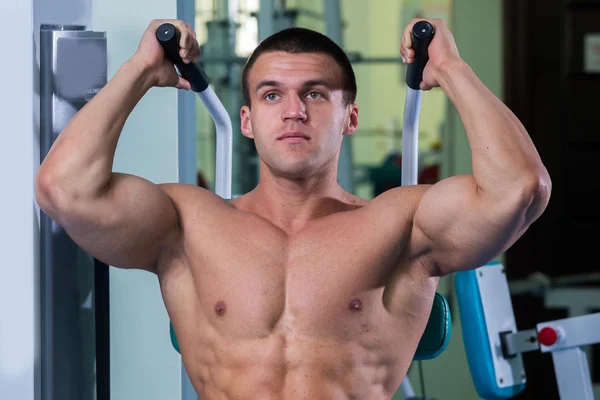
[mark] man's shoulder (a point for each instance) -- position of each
(358, 202)
(189, 196)
(402, 195)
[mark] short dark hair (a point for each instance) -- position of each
(301, 40)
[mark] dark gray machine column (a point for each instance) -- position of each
(73, 68)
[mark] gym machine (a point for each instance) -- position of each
(73, 285)
(494, 346)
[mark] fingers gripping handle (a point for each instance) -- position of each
(421, 35)
(168, 36)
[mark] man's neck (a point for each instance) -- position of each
(292, 203)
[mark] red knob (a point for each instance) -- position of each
(547, 336)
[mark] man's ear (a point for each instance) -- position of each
(246, 123)
(351, 120)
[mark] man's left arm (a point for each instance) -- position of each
(464, 221)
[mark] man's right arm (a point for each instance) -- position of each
(123, 220)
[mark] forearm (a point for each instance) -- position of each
(503, 155)
(80, 161)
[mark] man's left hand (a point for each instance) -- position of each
(442, 51)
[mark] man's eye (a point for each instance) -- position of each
(271, 96)
(315, 95)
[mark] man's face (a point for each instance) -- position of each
(298, 117)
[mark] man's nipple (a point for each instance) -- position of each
(355, 305)
(220, 308)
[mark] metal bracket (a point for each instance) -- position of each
(519, 342)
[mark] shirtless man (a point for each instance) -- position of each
(298, 289)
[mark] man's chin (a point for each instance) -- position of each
(298, 171)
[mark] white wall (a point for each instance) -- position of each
(144, 365)
(19, 161)
(19, 227)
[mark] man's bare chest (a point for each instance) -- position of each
(316, 283)
(324, 281)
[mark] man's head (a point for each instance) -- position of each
(298, 83)
(302, 41)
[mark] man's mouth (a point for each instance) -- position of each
(293, 137)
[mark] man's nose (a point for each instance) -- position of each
(295, 108)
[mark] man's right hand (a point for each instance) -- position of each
(151, 56)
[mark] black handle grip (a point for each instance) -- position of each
(168, 36)
(421, 35)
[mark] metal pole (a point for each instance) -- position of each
(266, 20)
(67, 285)
(333, 25)
(333, 21)
(232, 90)
(266, 27)
(421, 37)
(410, 140)
(572, 374)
